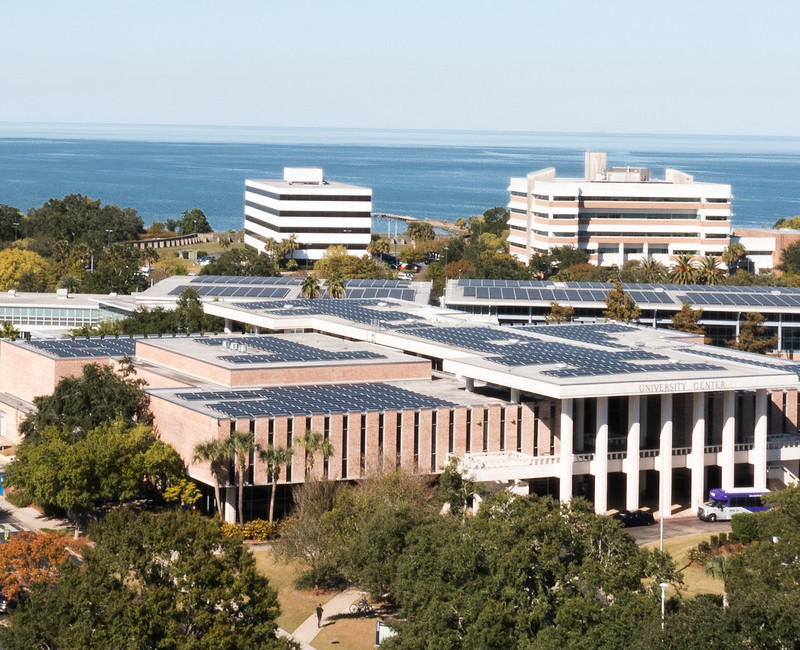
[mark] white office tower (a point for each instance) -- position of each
(618, 214)
(317, 212)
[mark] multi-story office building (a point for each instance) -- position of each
(319, 213)
(618, 214)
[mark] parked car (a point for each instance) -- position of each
(630, 518)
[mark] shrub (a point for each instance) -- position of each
(700, 553)
(734, 538)
(745, 525)
(723, 539)
(291, 265)
(324, 576)
(231, 531)
(18, 498)
(260, 530)
(715, 541)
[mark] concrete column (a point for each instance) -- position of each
(229, 497)
(580, 424)
(228, 325)
(515, 396)
(665, 458)
(727, 460)
(470, 384)
(698, 455)
(631, 463)
(600, 462)
(759, 453)
(566, 435)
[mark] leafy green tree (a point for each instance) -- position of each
(19, 266)
(99, 395)
(10, 219)
(8, 331)
(336, 258)
(495, 221)
(753, 335)
(688, 320)
(185, 493)
(500, 266)
(732, 256)
(522, 565)
(455, 490)
(79, 219)
(241, 262)
(189, 312)
(620, 306)
(789, 222)
(419, 231)
(560, 313)
(113, 461)
(303, 535)
(117, 270)
(368, 526)
(790, 258)
(166, 580)
(193, 221)
(275, 458)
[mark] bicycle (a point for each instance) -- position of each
(361, 607)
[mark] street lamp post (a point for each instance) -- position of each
(16, 225)
(108, 237)
(663, 586)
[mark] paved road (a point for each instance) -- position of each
(678, 527)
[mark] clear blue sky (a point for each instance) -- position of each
(700, 66)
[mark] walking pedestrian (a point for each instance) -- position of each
(319, 615)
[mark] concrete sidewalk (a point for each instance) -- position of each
(339, 604)
(31, 518)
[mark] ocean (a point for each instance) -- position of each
(162, 170)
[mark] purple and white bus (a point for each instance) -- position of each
(722, 504)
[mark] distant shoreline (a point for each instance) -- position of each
(209, 134)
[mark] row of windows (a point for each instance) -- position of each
(303, 246)
(642, 215)
(304, 229)
(306, 213)
(649, 199)
(307, 197)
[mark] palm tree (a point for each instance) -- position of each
(653, 270)
(709, 270)
(336, 285)
(240, 446)
(289, 246)
(270, 246)
(310, 287)
(717, 567)
(732, 254)
(312, 442)
(275, 458)
(684, 271)
(69, 282)
(216, 453)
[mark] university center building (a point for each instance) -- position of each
(618, 214)
(624, 415)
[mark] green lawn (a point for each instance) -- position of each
(696, 580)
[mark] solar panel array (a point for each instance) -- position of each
(82, 348)
(378, 292)
(644, 294)
(599, 334)
(309, 400)
(234, 291)
(572, 360)
(769, 298)
(759, 361)
(359, 311)
(277, 280)
(283, 351)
